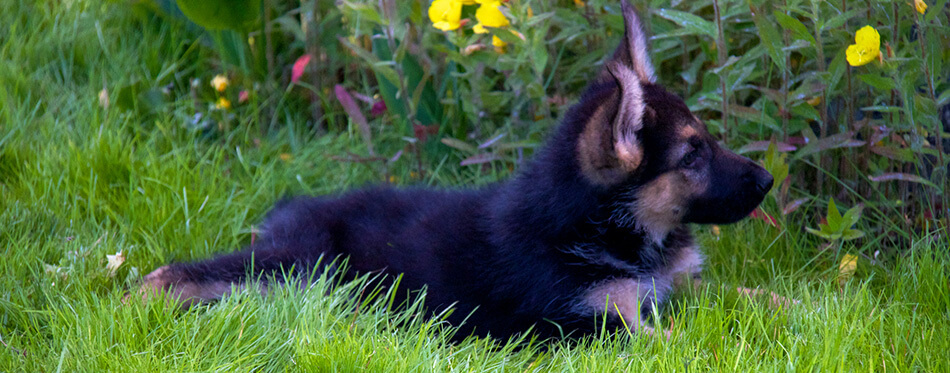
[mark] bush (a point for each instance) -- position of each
(846, 94)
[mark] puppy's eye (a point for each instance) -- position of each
(691, 159)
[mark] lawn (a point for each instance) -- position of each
(94, 195)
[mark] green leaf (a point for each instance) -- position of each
(822, 234)
(944, 98)
(804, 110)
(458, 144)
(839, 20)
(507, 36)
(755, 116)
(903, 177)
(771, 39)
(696, 25)
(539, 56)
(238, 15)
(796, 27)
(836, 69)
(776, 165)
(878, 82)
(834, 217)
(850, 234)
(428, 109)
(851, 216)
(883, 108)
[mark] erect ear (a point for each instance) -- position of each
(609, 149)
(632, 52)
(630, 67)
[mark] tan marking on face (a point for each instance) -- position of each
(699, 124)
(687, 131)
(660, 205)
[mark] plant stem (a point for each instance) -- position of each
(938, 126)
(309, 25)
(389, 8)
(823, 114)
(268, 42)
(721, 55)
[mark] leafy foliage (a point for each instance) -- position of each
(838, 227)
(762, 70)
(222, 14)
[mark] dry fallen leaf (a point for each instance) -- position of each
(849, 263)
(114, 262)
(104, 98)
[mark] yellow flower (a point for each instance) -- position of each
(446, 15)
(579, 3)
(222, 104)
(498, 43)
(921, 6)
(489, 15)
(866, 47)
(220, 83)
(468, 2)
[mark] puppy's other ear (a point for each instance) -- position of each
(632, 51)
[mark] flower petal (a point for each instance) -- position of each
(489, 15)
(220, 83)
(866, 47)
(868, 37)
(446, 14)
(299, 65)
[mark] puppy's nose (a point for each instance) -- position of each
(763, 181)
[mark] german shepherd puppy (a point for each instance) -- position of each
(592, 231)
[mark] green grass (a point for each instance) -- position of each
(79, 182)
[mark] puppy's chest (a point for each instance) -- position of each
(615, 253)
(628, 277)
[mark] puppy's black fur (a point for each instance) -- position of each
(594, 226)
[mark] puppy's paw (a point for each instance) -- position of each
(663, 333)
(179, 289)
(160, 280)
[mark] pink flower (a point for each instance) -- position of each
(379, 107)
(299, 67)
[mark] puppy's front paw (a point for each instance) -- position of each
(663, 333)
